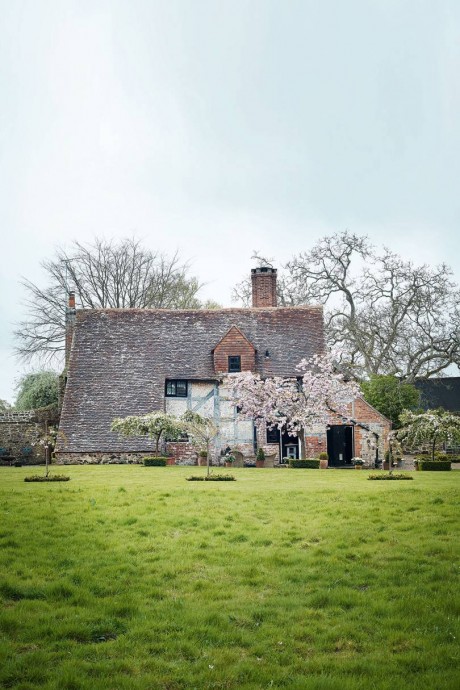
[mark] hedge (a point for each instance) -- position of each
(436, 466)
(309, 463)
(155, 462)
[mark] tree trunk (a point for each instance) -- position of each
(433, 447)
(303, 453)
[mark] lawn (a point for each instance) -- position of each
(129, 577)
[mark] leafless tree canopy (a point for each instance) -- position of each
(383, 314)
(103, 275)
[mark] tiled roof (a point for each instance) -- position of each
(442, 392)
(120, 359)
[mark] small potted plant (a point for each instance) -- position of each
(260, 458)
(229, 459)
(323, 460)
(202, 457)
(358, 463)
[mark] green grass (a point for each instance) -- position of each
(131, 578)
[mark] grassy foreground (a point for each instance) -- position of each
(132, 578)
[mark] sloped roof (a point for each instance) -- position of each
(120, 359)
(442, 392)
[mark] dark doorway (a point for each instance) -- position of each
(340, 445)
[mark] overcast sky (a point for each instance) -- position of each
(215, 127)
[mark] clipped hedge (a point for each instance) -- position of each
(309, 463)
(436, 466)
(155, 462)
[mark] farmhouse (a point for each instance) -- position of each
(132, 361)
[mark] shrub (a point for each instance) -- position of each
(212, 478)
(260, 454)
(442, 457)
(434, 466)
(389, 476)
(309, 463)
(155, 462)
(49, 478)
(323, 456)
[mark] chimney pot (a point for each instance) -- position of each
(71, 303)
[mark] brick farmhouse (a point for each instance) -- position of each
(133, 361)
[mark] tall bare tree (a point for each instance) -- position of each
(383, 314)
(105, 274)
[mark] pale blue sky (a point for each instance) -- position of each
(219, 127)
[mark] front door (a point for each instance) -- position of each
(340, 445)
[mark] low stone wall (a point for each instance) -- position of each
(21, 431)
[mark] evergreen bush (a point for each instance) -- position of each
(308, 463)
(155, 462)
(434, 466)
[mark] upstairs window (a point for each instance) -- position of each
(176, 388)
(234, 364)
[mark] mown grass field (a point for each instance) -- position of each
(132, 578)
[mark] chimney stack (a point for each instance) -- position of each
(70, 317)
(263, 286)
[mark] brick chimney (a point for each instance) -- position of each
(70, 317)
(263, 286)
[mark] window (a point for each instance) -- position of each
(273, 435)
(176, 388)
(234, 364)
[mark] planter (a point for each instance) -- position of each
(323, 464)
(386, 465)
(227, 464)
(171, 461)
(358, 467)
(260, 463)
(202, 461)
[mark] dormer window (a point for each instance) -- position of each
(234, 364)
(176, 388)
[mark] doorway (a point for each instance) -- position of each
(340, 445)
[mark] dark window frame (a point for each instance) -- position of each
(171, 388)
(273, 435)
(234, 367)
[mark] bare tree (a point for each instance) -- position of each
(383, 314)
(286, 289)
(105, 274)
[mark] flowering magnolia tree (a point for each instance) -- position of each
(156, 425)
(295, 404)
(201, 432)
(431, 427)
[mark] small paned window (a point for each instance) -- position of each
(234, 364)
(176, 388)
(273, 435)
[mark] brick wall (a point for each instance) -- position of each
(183, 453)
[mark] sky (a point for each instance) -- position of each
(217, 127)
